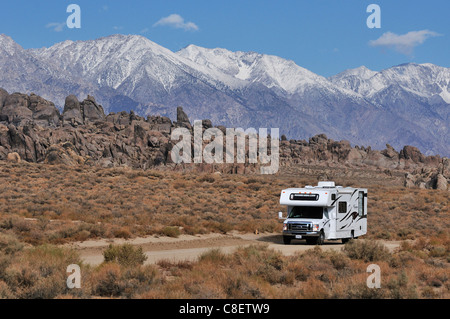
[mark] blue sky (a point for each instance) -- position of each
(324, 36)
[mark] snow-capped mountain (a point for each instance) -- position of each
(22, 71)
(251, 67)
(406, 104)
(425, 80)
(417, 93)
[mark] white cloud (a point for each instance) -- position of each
(176, 21)
(403, 43)
(57, 27)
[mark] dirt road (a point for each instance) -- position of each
(191, 247)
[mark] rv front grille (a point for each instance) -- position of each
(300, 227)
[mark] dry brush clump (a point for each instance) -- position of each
(34, 272)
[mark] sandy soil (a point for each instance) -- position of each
(191, 247)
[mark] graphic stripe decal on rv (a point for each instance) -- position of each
(361, 217)
(332, 204)
(347, 215)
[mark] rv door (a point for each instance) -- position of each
(345, 216)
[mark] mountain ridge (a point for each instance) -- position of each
(403, 105)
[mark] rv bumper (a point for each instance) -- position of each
(303, 234)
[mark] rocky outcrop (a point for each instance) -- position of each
(65, 154)
(16, 109)
(3, 96)
(72, 111)
(88, 111)
(33, 128)
(44, 112)
(441, 182)
(182, 119)
(13, 157)
(19, 109)
(91, 111)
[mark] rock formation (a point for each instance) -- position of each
(33, 128)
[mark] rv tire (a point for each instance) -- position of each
(286, 240)
(321, 238)
(346, 240)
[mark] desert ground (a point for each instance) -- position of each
(163, 233)
(190, 248)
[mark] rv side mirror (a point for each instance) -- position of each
(280, 215)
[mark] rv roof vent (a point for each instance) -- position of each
(309, 186)
(326, 184)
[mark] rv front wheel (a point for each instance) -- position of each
(286, 240)
(321, 238)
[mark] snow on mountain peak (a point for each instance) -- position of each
(269, 70)
(8, 45)
(239, 88)
(425, 80)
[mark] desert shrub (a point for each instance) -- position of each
(114, 280)
(339, 260)
(170, 231)
(122, 232)
(9, 244)
(146, 274)
(7, 223)
(5, 292)
(207, 178)
(399, 287)
(314, 289)
(361, 291)
(40, 272)
(438, 251)
(298, 269)
(214, 256)
(366, 250)
(125, 255)
(179, 184)
(108, 283)
(216, 226)
(268, 264)
(237, 286)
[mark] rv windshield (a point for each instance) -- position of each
(306, 212)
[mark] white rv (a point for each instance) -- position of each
(325, 211)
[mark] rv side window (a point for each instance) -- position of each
(342, 207)
(361, 211)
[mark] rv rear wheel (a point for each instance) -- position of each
(346, 240)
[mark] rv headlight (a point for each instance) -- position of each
(315, 227)
(285, 226)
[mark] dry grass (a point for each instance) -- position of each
(43, 205)
(58, 204)
(417, 270)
